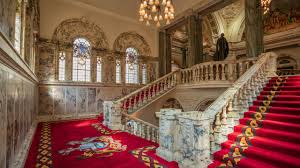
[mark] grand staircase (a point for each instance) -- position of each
(269, 134)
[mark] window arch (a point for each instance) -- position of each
(81, 60)
(132, 65)
(18, 27)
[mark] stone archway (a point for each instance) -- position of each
(71, 29)
(203, 105)
(132, 39)
(172, 103)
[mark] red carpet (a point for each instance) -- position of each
(88, 144)
(269, 134)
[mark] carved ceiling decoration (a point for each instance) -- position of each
(132, 39)
(71, 29)
(231, 12)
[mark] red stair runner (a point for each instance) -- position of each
(269, 134)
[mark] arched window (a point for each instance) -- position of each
(61, 66)
(131, 66)
(18, 27)
(81, 60)
(144, 73)
(118, 71)
(99, 69)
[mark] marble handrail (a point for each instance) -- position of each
(140, 128)
(216, 71)
(133, 101)
(201, 133)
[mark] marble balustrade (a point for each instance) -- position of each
(191, 137)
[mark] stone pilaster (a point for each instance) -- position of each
(254, 28)
(164, 53)
(195, 40)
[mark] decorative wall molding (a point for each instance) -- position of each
(10, 57)
(71, 29)
(132, 39)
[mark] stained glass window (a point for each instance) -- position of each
(61, 66)
(131, 66)
(18, 27)
(144, 73)
(118, 71)
(99, 69)
(81, 60)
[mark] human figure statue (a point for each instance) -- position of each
(222, 48)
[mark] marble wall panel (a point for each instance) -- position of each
(71, 101)
(59, 100)
(10, 119)
(46, 101)
(78, 100)
(82, 100)
(17, 110)
(92, 103)
(3, 118)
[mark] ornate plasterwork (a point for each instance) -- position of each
(70, 29)
(132, 39)
(230, 12)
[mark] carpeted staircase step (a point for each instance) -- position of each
(272, 157)
(272, 127)
(268, 133)
(291, 104)
(280, 98)
(285, 88)
(270, 144)
(278, 110)
(254, 163)
(295, 93)
(277, 125)
(275, 117)
(292, 83)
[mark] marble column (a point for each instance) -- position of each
(253, 28)
(195, 44)
(164, 53)
(183, 50)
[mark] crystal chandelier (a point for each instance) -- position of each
(156, 11)
(266, 5)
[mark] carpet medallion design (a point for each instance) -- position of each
(89, 144)
(103, 146)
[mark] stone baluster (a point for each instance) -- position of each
(212, 139)
(147, 131)
(231, 116)
(240, 69)
(224, 125)
(206, 72)
(217, 131)
(153, 136)
(211, 72)
(224, 73)
(218, 72)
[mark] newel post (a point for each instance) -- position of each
(272, 68)
(168, 132)
(112, 115)
(194, 141)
